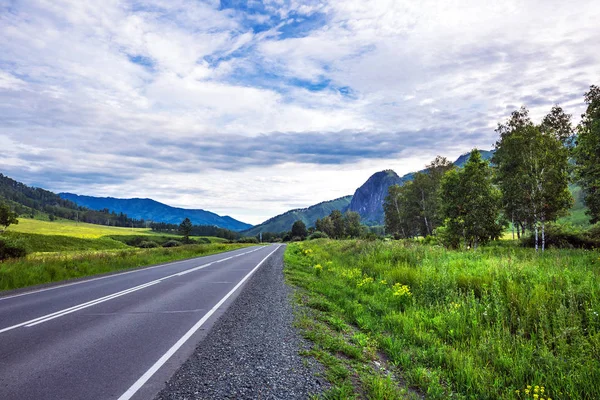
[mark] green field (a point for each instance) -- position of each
(65, 235)
(65, 249)
(450, 324)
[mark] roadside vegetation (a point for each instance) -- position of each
(497, 322)
(55, 267)
(36, 251)
(453, 308)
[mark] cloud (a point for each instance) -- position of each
(193, 102)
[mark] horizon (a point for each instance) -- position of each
(252, 110)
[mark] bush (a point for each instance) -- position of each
(564, 237)
(250, 239)
(318, 235)
(11, 249)
(297, 239)
(172, 243)
(203, 240)
(148, 244)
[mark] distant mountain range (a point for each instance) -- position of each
(152, 210)
(367, 201)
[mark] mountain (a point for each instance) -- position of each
(462, 160)
(368, 199)
(152, 210)
(284, 222)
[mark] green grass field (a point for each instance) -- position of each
(494, 323)
(71, 228)
(64, 249)
(54, 267)
(65, 235)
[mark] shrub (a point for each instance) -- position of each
(203, 240)
(11, 249)
(172, 243)
(318, 235)
(148, 244)
(250, 239)
(297, 239)
(564, 236)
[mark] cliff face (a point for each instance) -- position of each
(368, 199)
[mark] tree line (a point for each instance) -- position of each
(525, 186)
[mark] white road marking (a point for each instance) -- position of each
(107, 276)
(162, 360)
(94, 302)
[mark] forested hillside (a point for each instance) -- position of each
(36, 202)
(284, 222)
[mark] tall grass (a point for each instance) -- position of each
(57, 267)
(474, 325)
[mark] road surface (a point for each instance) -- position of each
(119, 336)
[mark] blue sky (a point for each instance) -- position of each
(250, 108)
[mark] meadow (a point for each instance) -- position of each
(63, 250)
(66, 235)
(501, 322)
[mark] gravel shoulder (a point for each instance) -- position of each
(252, 351)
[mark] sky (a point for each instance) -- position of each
(252, 108)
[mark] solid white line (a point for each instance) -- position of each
(161, 361)
(91, 302)
(109, 276)
(41, 321)
(72, 309)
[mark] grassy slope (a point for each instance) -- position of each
(65, 250)
(73, 229)
(65, 235)
(58, 267)
(453, 324)
(577, 215)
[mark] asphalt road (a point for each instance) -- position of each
(120, 336)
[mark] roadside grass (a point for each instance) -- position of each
(64, 235)
(493, 323)
(54, 267)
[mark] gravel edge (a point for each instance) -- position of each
(252, 351)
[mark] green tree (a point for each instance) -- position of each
(352, 226)
(532, 169)
(337, 220)
(587, 153)
(7, 217)
(401, 211)
(510, 168)
(325, 225)
(185, 229)
(299, 229)
(472, 202)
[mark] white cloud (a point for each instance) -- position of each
(450, 70)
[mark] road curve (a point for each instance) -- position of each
(119, 336)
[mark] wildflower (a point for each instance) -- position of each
(517, 392)
(400, 290)
(536, 396)
(318, 269)
(365, 281)
(383, 282)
